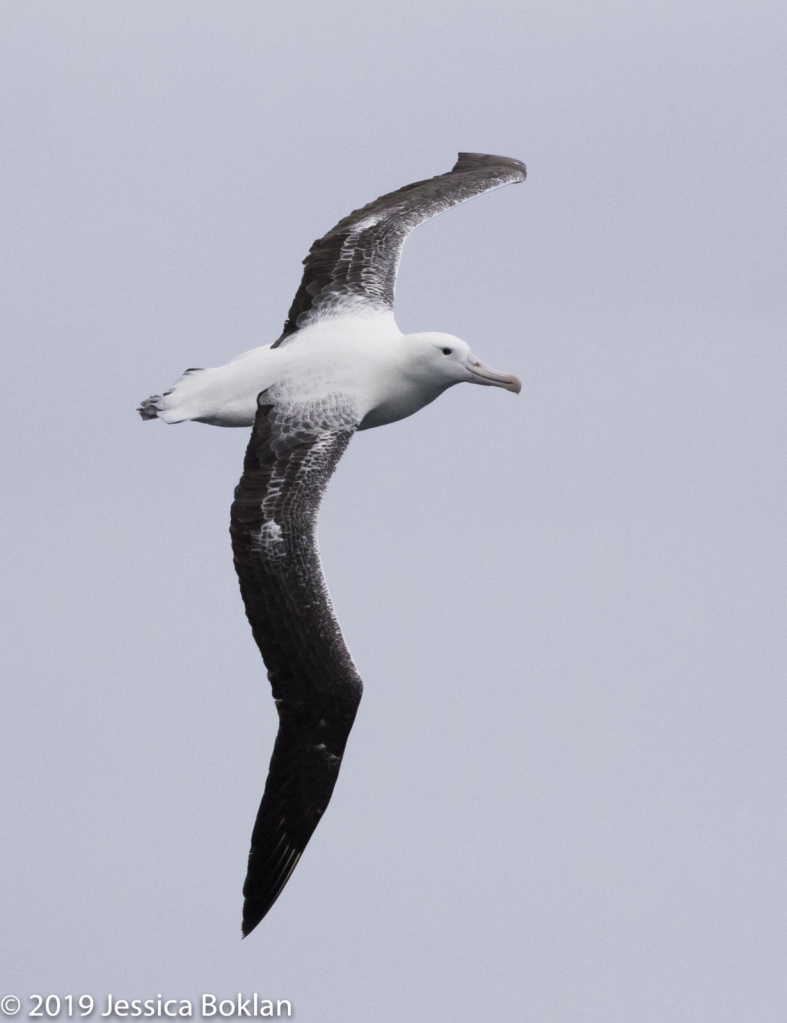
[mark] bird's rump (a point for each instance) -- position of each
(292, 454)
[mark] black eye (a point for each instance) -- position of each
(447, 351)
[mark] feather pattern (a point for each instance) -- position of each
(292, 454)
(353, 267)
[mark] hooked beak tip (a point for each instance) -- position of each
(482, 374)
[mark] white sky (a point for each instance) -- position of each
(564, 796)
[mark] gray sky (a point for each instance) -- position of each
(564, 796)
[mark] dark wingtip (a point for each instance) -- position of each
(251, 921)
(263, 886)
(256, 909)
(477, 161)
(252, 917)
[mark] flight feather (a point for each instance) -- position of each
(292, 454)
(353, 267)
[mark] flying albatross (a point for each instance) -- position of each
(340, 365)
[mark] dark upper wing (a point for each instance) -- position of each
(292, 454)
(356, 262)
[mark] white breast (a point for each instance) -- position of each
(364, 358)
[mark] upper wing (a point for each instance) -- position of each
(291, 456)
(356, 262)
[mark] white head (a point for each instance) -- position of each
(438, 361)
(416, 369)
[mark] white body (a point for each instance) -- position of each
(389, 375)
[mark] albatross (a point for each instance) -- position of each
(341, 364)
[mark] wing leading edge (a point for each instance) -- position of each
(355, 264)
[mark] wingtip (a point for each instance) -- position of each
(247, 926)
(475, 161)
(251, 920)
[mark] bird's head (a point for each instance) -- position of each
(442, 360)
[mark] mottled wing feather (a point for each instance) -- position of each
(291, 456)
(355, 264)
